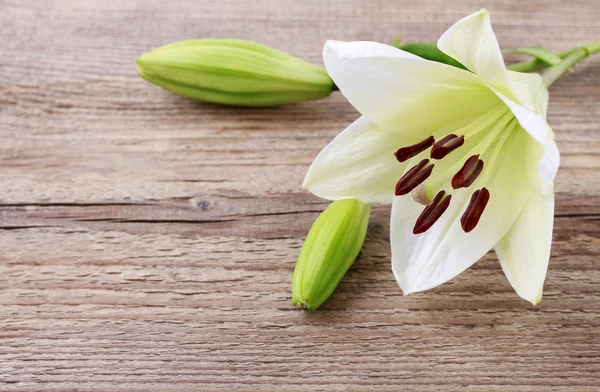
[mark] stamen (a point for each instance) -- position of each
(467, 175)
(432, 213)
(446, 145)
(470, 218)
(413, 178)
(405, 153)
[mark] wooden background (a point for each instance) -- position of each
(147, 241)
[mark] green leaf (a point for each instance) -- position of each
(430, 51)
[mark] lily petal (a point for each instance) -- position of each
(404, 93)
(542, 165)
(532, 90)
(535, 125)
(547, 168)
(359, 163)
(542, 100)
(472, 41)
(524, 251)
(427, 260)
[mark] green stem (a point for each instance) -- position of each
(535, 65)
(592, 48)
(576, 55)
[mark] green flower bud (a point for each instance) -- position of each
(330, 248)
(234, 72)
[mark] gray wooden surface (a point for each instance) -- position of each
(147, 241)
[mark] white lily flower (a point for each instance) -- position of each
(473, 145)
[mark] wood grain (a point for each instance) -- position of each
(147, 241)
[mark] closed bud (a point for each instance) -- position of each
(234, 72)
(330, 248)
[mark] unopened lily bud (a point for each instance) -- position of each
(234, 72)
(330, 248)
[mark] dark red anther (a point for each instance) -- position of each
(432, 212)
(446, 145)
(470, 218)
(468, 173)
(413, 178)
(405, 153)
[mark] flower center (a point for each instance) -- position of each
(456, 174)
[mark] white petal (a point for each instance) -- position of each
(542, 101)
(402, 92)
(548, 167)
(542, 164)
(532, 90)
(363, 49)
(423, 261)
(533, 122)
(472, 42)
(524, 251)
(359, 163)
